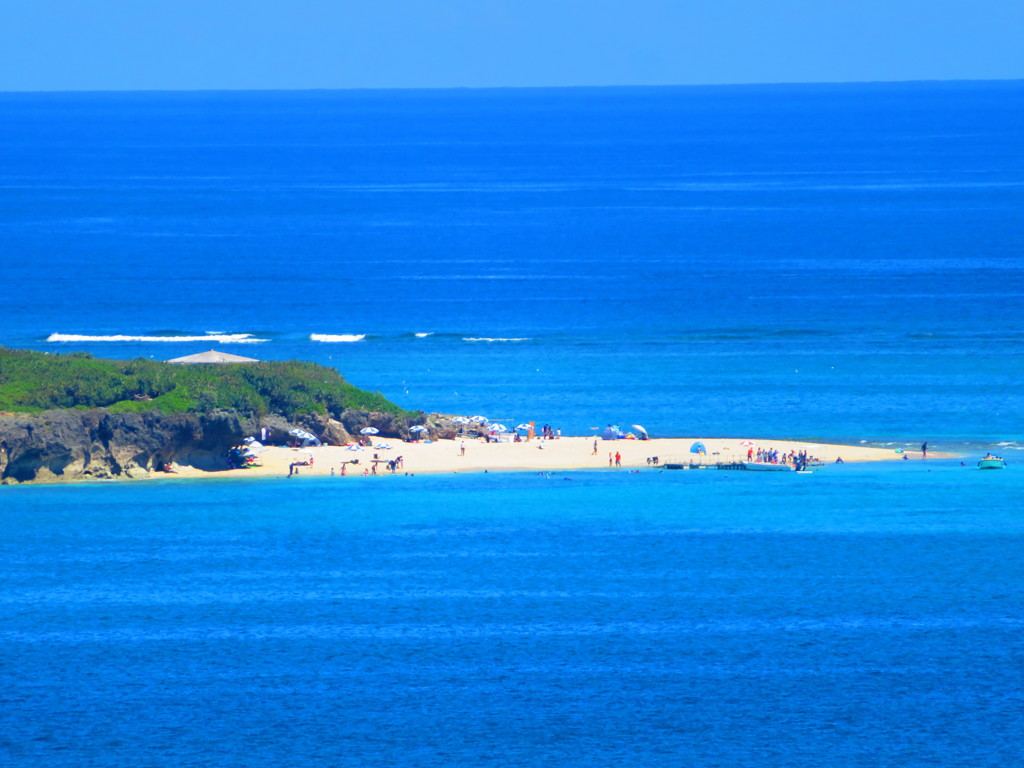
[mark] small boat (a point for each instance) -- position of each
(991, 462)
(759, 467)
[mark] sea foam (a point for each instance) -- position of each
(329, 337)
(219, 338)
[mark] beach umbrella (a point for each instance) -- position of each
(641, 430)
(698, 447)
(369, 431)
(418, 428)
(747, 443)
(461, 420)
(302, 434)
(498, 428)
(478, 419)
(524, 426)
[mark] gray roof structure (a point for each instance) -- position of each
(213, 357)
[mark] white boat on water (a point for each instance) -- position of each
(759, 467)
(991, 462)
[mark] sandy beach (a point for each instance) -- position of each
(565, 453)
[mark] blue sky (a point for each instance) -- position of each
(213, 44)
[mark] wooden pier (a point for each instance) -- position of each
(695, 465)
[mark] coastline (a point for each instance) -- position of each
(560, 454)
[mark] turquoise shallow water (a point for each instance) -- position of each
(859, 616)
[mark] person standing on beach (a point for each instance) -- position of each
(618, 459)
(924, 450)
(611, 461)
(595, 448)
(462, 449)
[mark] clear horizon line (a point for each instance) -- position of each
(509, 87)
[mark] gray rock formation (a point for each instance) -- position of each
(95, 444)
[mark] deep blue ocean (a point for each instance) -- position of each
(842, 262)
(832, 261)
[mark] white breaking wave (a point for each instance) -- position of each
(488, 338)
(423, 335)
(220, 338)
(337, 337)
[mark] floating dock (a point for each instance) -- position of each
(748, 466)
(694, 465)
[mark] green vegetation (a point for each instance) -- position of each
(37, 381)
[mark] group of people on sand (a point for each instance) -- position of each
(798, 459)
(615, 459)
(307, 462)
(240, 457)
(393, 465)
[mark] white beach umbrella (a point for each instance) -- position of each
(498, 428)
(524, 426)
(640, 429)
(418, 428)
(461, 420)
(747, 443)
(369, 431)
(478, 419)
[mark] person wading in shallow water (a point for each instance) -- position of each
(924, 450)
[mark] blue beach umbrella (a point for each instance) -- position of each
(418, 428)
(307, 438)
(698, 447)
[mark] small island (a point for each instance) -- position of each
(73, 417)
(76, 417)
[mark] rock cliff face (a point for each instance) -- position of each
(95, 444)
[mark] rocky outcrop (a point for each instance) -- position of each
(442, 427)
(84, 444)
(96, 444)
